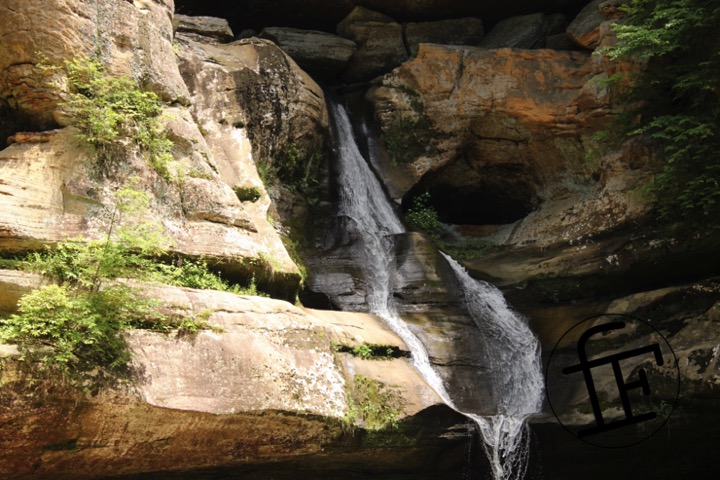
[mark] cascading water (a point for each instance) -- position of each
(371, 218)
(513, 349)
(513, 353)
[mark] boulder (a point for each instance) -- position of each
(461, 31)
(560, 41)
(526, 31)
(380, 44)
(360, 14)
(585, 27)
(212, 27)
(557, 23)
(319, 53)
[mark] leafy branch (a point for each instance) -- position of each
(675, 102)
(111, 112)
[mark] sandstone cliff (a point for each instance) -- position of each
(274, 386)
(502, 138)
(262, 103)
(267, 390)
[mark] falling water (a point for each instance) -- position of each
(513, 354)
(513, 349)
(371, 217)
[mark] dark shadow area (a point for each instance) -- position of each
(463, 195)
(686, 447)
(434, 444)
(13, 121)
(324, 15)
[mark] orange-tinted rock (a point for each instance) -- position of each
(509, 135)
(490, 97)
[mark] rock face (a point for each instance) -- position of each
(257, 107)
(507, 151)
(583, 29)
(319, 53)
(132, 40)
(379, 40)
(687, 318)
(251, 89)
(266, 104)
(508, 142)
(269, 379)
(527, 31)
(461, 31)
(509, 122)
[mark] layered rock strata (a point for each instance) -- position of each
(263, 105)
(266, 386)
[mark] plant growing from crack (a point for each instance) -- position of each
(373, 404)
(113, 114)
(74, 327)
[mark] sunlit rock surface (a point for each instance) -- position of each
(266, 386)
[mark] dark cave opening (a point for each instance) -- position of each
(13, 120)
(495, 196)
(481, 205)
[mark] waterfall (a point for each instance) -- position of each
(513, 354)
(371, 218)
(513, 349)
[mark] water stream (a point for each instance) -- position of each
(371, 218)
(513, 350)
(513, 356)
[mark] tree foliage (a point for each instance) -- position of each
(675, 102)
(75, 331)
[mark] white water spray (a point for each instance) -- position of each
(364, 203)
(513, 350)
(513, 353)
